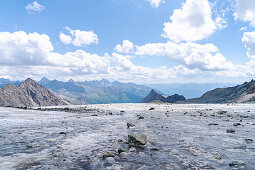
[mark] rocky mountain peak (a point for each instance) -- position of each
(28, 81)
(153, 95)
(28, 94)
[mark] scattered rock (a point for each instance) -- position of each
(29, 146)
(120, 150)
(140, 117)
(137, 139)
(237, 124)
(249, 140)
(108, 154)
(221, 112)
(230, 131)
(130, 125)
(218, 157)
(154, 149)
(236, 163)
(213, 124)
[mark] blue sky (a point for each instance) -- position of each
(164, 40)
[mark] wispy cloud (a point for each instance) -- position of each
(34, 7)
(155, 3)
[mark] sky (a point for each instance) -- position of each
(140, 41)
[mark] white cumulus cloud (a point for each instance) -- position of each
(192, 55)
(126, 47)
(245, 11)
(248, 40)
(33, 49)
(190, 23)
(34, 7)
(78, 38)
(66, 39)
(22, 48)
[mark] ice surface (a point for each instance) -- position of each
(179, 136)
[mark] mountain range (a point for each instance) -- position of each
(28, 94)
(4, 82)
(96, 92)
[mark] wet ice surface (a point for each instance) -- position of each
(178, 137)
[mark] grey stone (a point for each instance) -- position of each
(137, 139)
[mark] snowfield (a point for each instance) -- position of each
(179, 136)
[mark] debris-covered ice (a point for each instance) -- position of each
(169, 136)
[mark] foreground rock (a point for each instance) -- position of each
(137, 139)
(28, 94)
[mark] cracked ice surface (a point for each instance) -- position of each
(179, 137)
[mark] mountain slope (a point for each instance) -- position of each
(153, 95)
(28, 94)
(237, 94)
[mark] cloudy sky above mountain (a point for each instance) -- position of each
(143, 41)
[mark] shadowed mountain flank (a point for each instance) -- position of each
(238, 94)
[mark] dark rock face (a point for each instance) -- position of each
(238, 94)
(153, 95)
(28, 94)
(175, 98)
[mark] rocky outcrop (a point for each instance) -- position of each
(175, 98)
(238, 94)
(28, 94)
(155, 96)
